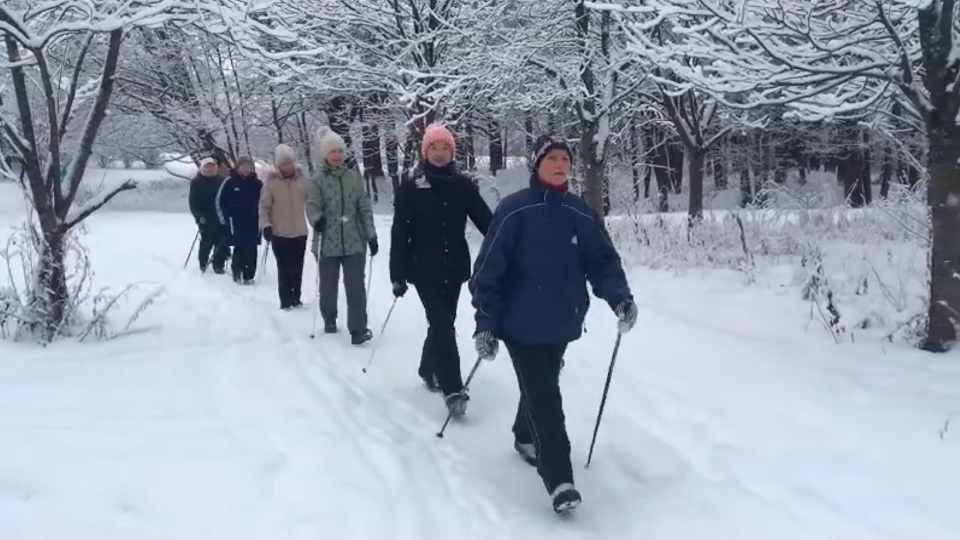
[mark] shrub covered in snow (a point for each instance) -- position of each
(861, 269)
(89, 312)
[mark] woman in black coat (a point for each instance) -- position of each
(429, 250)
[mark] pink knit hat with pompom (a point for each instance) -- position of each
(435, 133)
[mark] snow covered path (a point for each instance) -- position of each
(725, 420)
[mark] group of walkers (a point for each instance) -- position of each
(529, 283)
(242, 211)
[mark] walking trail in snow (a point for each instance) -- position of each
(725, 419)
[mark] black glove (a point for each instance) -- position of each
(399, 288)
(374, 247)
(320, 225)
(268, 234)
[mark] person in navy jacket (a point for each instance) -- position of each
(237, 209)
(529, 289)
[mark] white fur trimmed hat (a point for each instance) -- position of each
(284, 153)
(328, 140)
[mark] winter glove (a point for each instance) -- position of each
(374, 247)
(320, 225)
(268, 234)
(399, 289)
(201, 221)
(627, 316)
(487, 345)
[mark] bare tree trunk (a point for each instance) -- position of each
(495, 147)
(866, 168)
(675, 160)
(719, 166)
(50, 294)
(662, 173)
(301, 121)
(465, 147)
(635, 155)
(392, 147)
(592, 168)
(275, 116)
(695, 174)
(942, 67)
(528, 135)
(886, 170)
(372, 160)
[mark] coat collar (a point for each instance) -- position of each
(547, 193)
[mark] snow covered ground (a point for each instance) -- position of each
(730, 416)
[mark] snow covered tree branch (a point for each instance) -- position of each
(827, 59)
(35, 36)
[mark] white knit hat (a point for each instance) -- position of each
(284, 153)
(207, 161)
(327, 141)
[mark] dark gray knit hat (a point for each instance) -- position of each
(546, 143)
(245, 159)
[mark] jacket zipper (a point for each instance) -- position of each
(343, 213)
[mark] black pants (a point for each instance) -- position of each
(213, 239)
(244, 262)
(540, 418)
(289, 253)
(440, 355)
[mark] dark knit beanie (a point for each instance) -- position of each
(245, 159)
(546, 143)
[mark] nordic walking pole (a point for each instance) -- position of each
(313, 331)
(603, 399)
(466, 385)
(382, 329)
(370, 278)
(263, 267)
(192, 247)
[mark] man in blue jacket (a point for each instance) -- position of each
(530, 290)
(237, 209)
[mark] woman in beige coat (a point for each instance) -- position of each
(284, 223)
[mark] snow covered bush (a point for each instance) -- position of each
(861, 269)
(87, 312)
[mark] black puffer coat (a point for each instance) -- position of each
(428, 241)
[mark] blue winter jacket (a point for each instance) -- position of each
(529, 283)
(237, 209)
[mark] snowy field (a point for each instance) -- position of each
(733, 414)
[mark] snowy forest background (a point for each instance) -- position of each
(786, 130)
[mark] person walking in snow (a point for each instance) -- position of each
(284, 224)
(237, 210)
(529, 289)
(343, 228)
(203, 205)
(429, 250)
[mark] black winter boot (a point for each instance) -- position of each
(527, 451)
(431, 383)
(457, 403)
(565, 498)
(361, 336)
